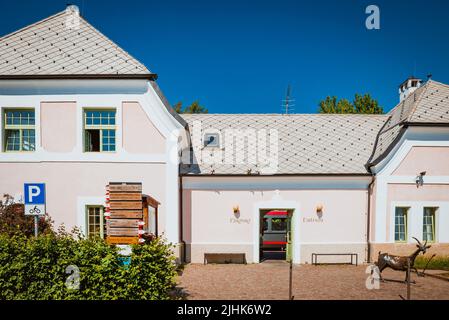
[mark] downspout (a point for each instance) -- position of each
(368, 222)
(181, 223)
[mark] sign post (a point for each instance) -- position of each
(34, 202)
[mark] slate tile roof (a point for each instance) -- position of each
(56, 46)
(429, 104)
(308, 143)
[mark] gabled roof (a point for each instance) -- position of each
(57, 47)
(427, 105)
(308, 143)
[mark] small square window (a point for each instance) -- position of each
(211, 140)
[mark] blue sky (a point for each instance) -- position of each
(238, 56)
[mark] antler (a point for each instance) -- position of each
(418, 241)
(425, 243)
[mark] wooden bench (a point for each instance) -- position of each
(352, 255)
(231, 255)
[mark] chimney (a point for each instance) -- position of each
(408, 87)
(72, 9)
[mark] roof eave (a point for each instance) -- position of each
(426, 124)
(405, 124)
(367, 174)
(149, 76)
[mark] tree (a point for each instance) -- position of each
(332, 105)
(362, 104)
(195, 107)
(178, 107)
(366, 104)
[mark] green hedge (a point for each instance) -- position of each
(437, 263)
(35, 268)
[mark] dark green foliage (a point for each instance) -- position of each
(195, 107)
(35, 268)
(362, 104)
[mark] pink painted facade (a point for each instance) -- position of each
(76, 179)
(419, 158)
(399, 188)
(214, 228)
(139, 133)
(60, 118)
(71, 186)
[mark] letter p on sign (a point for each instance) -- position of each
(34, 198)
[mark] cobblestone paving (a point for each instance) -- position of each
(270, 281)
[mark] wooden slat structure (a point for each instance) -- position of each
(126, 212)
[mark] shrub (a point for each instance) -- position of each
(35, 268)
(437, 263)
(13, 219)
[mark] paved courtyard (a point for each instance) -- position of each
(269, 281)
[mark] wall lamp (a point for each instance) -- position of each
(419, 180)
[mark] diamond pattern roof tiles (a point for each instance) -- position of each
(307, 144)
(55, 47)
(429, 104)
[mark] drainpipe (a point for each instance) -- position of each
(181, 223)
(368, 222)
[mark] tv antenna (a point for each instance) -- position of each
(288, 103)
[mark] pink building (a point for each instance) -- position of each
(78, 112)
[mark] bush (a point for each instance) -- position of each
(35, 268)
(14, 221)
(437, 263)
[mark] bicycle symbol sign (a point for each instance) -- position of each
(34, 198)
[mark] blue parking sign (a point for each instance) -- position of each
(34, 198)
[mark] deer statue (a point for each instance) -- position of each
(399, 263)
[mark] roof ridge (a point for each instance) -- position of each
(430, 81)
(426, 87)
(32, 25)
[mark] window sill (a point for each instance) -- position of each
(18, 151)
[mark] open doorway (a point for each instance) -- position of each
(275, 236)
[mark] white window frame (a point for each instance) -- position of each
(19, 127)
(435, 226)
(406, 221)
(415, 220)
(102, 220)
(99, 127)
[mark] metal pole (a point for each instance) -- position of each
(408, 278)
(36, 225)
(290, 286)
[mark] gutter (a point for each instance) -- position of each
(368, 221)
